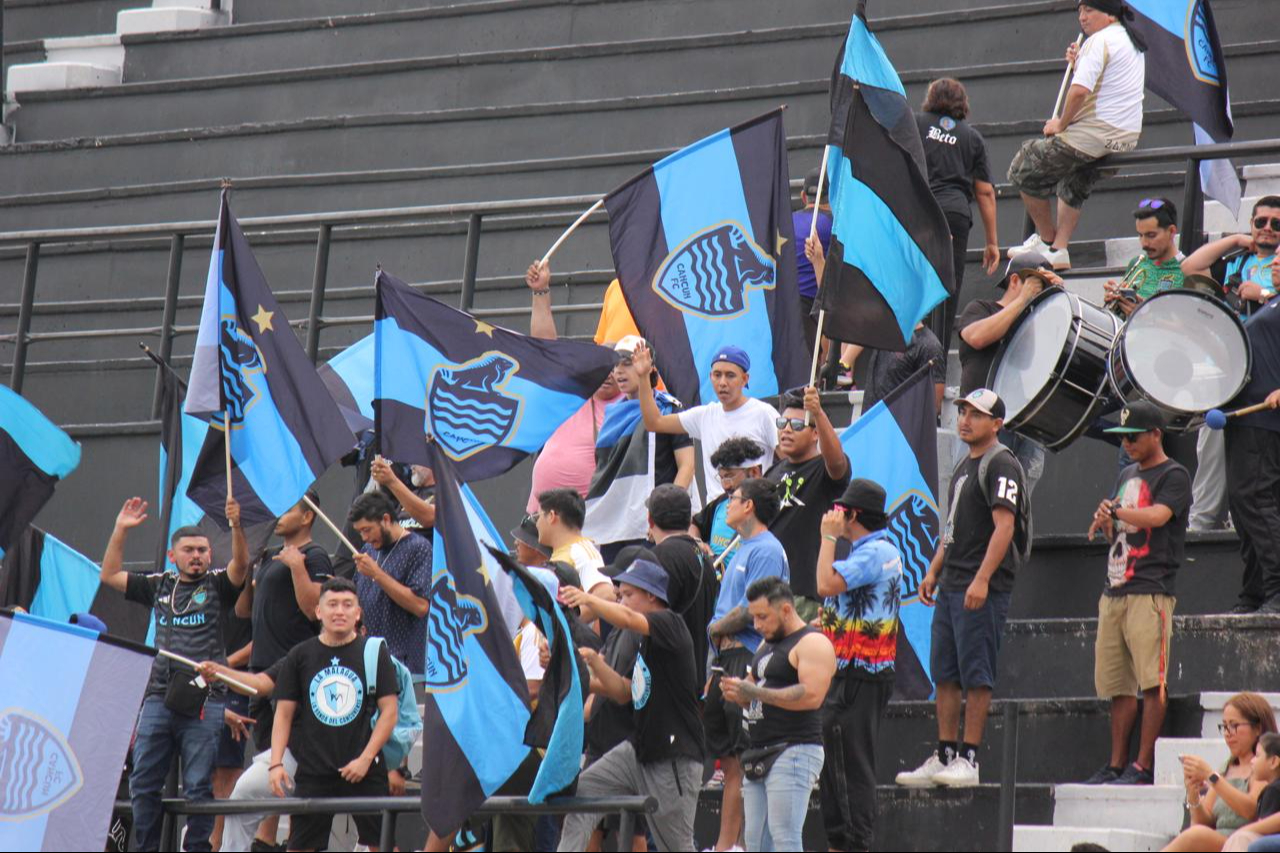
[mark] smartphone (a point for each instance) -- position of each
(718, 669)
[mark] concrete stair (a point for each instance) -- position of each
(1051, 839)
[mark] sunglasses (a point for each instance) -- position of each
(1133, 436)
(1151, 204)
(531, 518)
(1263, 221)
(796, 424)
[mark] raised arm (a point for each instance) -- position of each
(541, 323)
(305, 590)
(833, 455)
(990, 330)
(604, 680)
(419, 510)
(238, 568)
(654, 420)
(615, 614)
(112, 572)
(1200, 261)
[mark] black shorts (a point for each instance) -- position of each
(722, 719)
(311, 831)
(966, 643)
(230, 752)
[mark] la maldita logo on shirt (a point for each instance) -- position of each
(336, 694)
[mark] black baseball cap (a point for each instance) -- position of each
(1138, 417)
(625, 557)
(1026, 264)
(865, 495)
(526, 532)
(811, 182)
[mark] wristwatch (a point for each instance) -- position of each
(1213, 779)
(1114, 517)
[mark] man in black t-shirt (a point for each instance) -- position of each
(1146, 523)
(323, 690)
(187, 607)
(984, 324)
(886, 370)
(970, 582)
(956, 155)
(664, 756)
(691, 580)
(812, 471)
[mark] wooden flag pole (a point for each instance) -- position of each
(342, 537)
(813, 232)
(226, 444)
(252, 691)
(1066, 79)
(732, 544)
(574, 227)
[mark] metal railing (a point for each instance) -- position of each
(473, 214)
(391, 807)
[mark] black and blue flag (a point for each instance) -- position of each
(1186, 67)
(890, 260)
(46, 577)
(476, 707)
(63, 740)
(703, 245)
(250, 369)
(489, 396)
(34, 456)
(896, 445)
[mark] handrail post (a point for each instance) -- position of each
(24, 316)
(171, 284)
(318, 282)
(469, 260)
(387, 837)
(1009, 777)
(1192, 209)
(626, 829)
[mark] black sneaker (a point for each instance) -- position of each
(1135, 775)
(1244, 609)
(1105, 775)
(1270, 607)
(260, 845)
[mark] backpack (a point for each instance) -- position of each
(1023, 529)
(409, 720)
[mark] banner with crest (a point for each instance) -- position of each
(703, 245)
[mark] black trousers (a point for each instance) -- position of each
(850, 724)
(1253, 492)
(943, 318)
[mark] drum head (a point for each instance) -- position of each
(1186, 351)
(1033, 351)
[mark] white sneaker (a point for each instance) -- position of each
(1060, 259)
(1031, 244)
(925, 775)
(960, 773)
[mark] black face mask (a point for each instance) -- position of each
(1123, 14)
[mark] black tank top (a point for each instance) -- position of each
(768, 724)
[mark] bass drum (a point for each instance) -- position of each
(1051, 370)
(1184, 351)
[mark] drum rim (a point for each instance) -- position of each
(1117, 352)
(1036, 401)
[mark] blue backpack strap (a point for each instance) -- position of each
(371, 647)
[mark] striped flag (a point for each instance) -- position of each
(34, 456)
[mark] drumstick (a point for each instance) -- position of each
(1066, 79)
(1217, 419)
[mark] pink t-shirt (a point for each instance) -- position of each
(568, 459)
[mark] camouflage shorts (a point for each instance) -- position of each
(1046, 167)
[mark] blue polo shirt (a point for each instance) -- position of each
(761, 556)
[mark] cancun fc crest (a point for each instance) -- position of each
(710, 273)
(450, 620)
(468, 406)
(913, 528)
(240, 361)
(38, 770)
(1200, 53)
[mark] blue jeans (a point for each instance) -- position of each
(1266, 844)
(775, 807)
(160, 731)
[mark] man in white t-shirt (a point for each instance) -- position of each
(561, 513)
(1102, 115)
(734, 414)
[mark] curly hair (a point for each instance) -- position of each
(947, 96)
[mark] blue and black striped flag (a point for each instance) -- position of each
(890, 260)
(703, 245)
(63, 740)
(476, 707)
(896, 445)
(48, 578)
(34, 456)
(249, 367)
(489, 396)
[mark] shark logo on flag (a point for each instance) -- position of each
(239, 349)
(913, 527)
(38, 770)
(469, 407)
(709, 274)
(451, 619)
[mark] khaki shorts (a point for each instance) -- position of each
(1132, 651)
(1046, 167)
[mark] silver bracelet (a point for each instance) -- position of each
(546, 292)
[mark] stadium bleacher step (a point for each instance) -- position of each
(1060, 839)
(40, 19)
(1143, 808)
